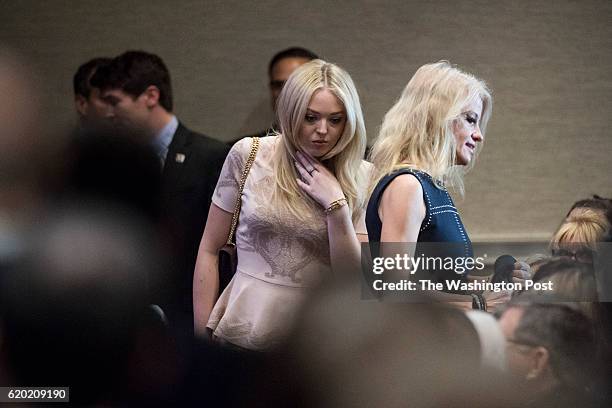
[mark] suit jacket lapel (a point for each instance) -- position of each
(176, 160)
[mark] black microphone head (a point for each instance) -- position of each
(504, 265)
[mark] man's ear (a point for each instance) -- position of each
(540, 362)
(152, 96)
(81, 104)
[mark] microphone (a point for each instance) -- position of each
(504, 265)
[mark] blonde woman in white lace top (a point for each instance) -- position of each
(302, 214)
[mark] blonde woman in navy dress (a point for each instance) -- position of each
(427, 140)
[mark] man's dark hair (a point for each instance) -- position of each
(133, 72)
(564, 331)
(293, 52)
(81, 80)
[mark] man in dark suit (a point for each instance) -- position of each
(136, 85)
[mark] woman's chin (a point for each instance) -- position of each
(462, 161)
(316, 153)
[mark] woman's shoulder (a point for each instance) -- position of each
(266, 144)
(410, 175)
(397, 187)
(269, 142)
(404, 183)
(405, 177)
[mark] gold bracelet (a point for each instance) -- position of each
(336, 204)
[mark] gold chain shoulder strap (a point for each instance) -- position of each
(243, 177)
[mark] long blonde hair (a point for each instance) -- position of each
(418, 129)
(344, 159)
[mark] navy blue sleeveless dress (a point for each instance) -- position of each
(441, 225)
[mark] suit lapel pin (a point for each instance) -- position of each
(179, 158)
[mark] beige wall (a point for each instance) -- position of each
(548, 63)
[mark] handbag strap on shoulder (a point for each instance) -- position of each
(243, 177)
